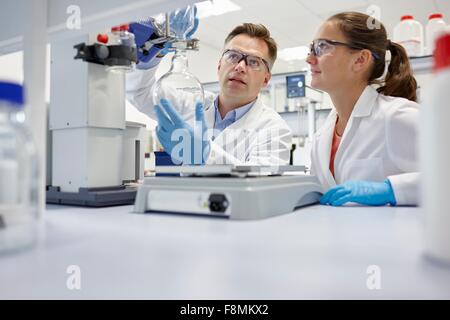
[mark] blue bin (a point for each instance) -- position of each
(162, 158)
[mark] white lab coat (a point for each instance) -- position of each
(260, 137)
(379, 142)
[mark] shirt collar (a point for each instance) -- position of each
(234, 114)
(365, 103)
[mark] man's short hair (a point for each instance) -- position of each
(256, 31)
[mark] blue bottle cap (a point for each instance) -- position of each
(11, 92)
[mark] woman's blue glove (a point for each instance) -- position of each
(185, 144)
(363, 192)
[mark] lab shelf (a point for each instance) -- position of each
(422, 64)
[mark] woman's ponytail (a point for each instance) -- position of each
(399, 80)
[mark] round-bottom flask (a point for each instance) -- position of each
(181, 88)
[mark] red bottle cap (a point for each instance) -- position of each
(116, 28)
(442, 53)
(124, 27)
(103, 38)
(406, 18)
(436, 16)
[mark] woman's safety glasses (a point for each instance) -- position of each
(234, 57)
(320, 47)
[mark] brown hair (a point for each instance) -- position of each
(399, 80)
(256, 31)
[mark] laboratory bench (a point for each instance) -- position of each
(317, 252)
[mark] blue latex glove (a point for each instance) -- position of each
(180, 22)
(145, 30)
(185, 144)
(363, 192)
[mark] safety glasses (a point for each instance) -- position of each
(320, 47)
(234, 57)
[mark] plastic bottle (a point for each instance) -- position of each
(121, 36)
(19, 210)
(126, 37)
(409, 33)
(435, 26)
(435, 155)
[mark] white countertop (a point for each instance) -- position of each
(316, 252)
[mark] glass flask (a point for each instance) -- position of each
(181, 88)
(19, 209)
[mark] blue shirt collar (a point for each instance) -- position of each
(233, 115)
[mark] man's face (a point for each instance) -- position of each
(239, 82)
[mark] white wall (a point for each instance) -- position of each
(11, 69)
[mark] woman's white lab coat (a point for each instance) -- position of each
(379, 142)
(260, 137)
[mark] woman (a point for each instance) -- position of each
(366, 150)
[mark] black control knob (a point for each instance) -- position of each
(218, 202)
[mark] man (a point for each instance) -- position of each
(245, 131)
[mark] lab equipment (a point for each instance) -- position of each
(435, 155)
(120, 36)
(117, 54)
(186, 144)
(89, 133)
(363, 192)
(180, 85)
(134, 146)
(19, 210)
(234, 192)
(435, 26)
(409, 33)
(178, 82)
(295, 86)
(155, 35)
(149, 41)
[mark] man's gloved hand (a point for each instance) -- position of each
(363, 192)
(146, 30)
(180, 22)
(185, 144)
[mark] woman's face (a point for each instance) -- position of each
(333, 69)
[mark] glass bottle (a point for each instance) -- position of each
(19, 210)
(181, 88)
(120, 35)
